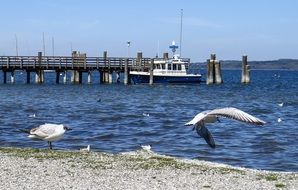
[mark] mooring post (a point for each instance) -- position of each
(151, 72)
(4, 77)
(213, 70)
(245, 70)
(126, 72)
(12, 78)
(217, 67)
(210, 67)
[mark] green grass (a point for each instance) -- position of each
(271, 177)
(280, 185)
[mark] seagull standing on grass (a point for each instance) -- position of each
(48, 132)
(212, 116)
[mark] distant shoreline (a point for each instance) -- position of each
(141, 169)
(281, 64)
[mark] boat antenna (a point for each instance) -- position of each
(157, 54)
(181, 32)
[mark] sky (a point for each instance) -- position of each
(261, 29)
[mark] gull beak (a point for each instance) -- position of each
(66, 128)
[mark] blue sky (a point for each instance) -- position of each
(262, 29)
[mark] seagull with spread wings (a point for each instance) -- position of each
(212, 116)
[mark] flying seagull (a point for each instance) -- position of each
(211, 116)
(48, 132)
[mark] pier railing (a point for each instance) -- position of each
(70, 63)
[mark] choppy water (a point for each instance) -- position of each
(131, 115)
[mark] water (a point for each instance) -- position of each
(131, 115)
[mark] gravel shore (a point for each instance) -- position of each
(43, 169)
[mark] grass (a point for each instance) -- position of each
(271, 177)
(39, 154)
(280, 185)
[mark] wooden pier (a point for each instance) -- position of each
(77, 63)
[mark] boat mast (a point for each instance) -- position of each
(181, 32)
(43, 45)
(17, 48)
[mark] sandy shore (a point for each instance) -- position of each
(43, 169)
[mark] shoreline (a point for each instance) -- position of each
(23, 168)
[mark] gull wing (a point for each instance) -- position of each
(199, 117)
(204, 132)
(43, 131)
(237, 114)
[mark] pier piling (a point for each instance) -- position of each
(117, 77)
(80, 77)
(65, 77)
(213, 71)
(245, 70)
(4, 77)
(75, 77)
(101, 77)
(28, 77)
(110, 79)
(218, 78)
(89, 79)
(151, 72)
(210, 77)
(126, 73)
(39, 76)
(57, 77)
(12, 77)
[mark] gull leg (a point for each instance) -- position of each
(50, 145)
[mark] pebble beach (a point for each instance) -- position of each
(43, 169)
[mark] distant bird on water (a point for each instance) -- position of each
(48, 132)
(211, 116)
(32, 115)
(281, 104)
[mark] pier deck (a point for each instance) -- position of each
(76, 64)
